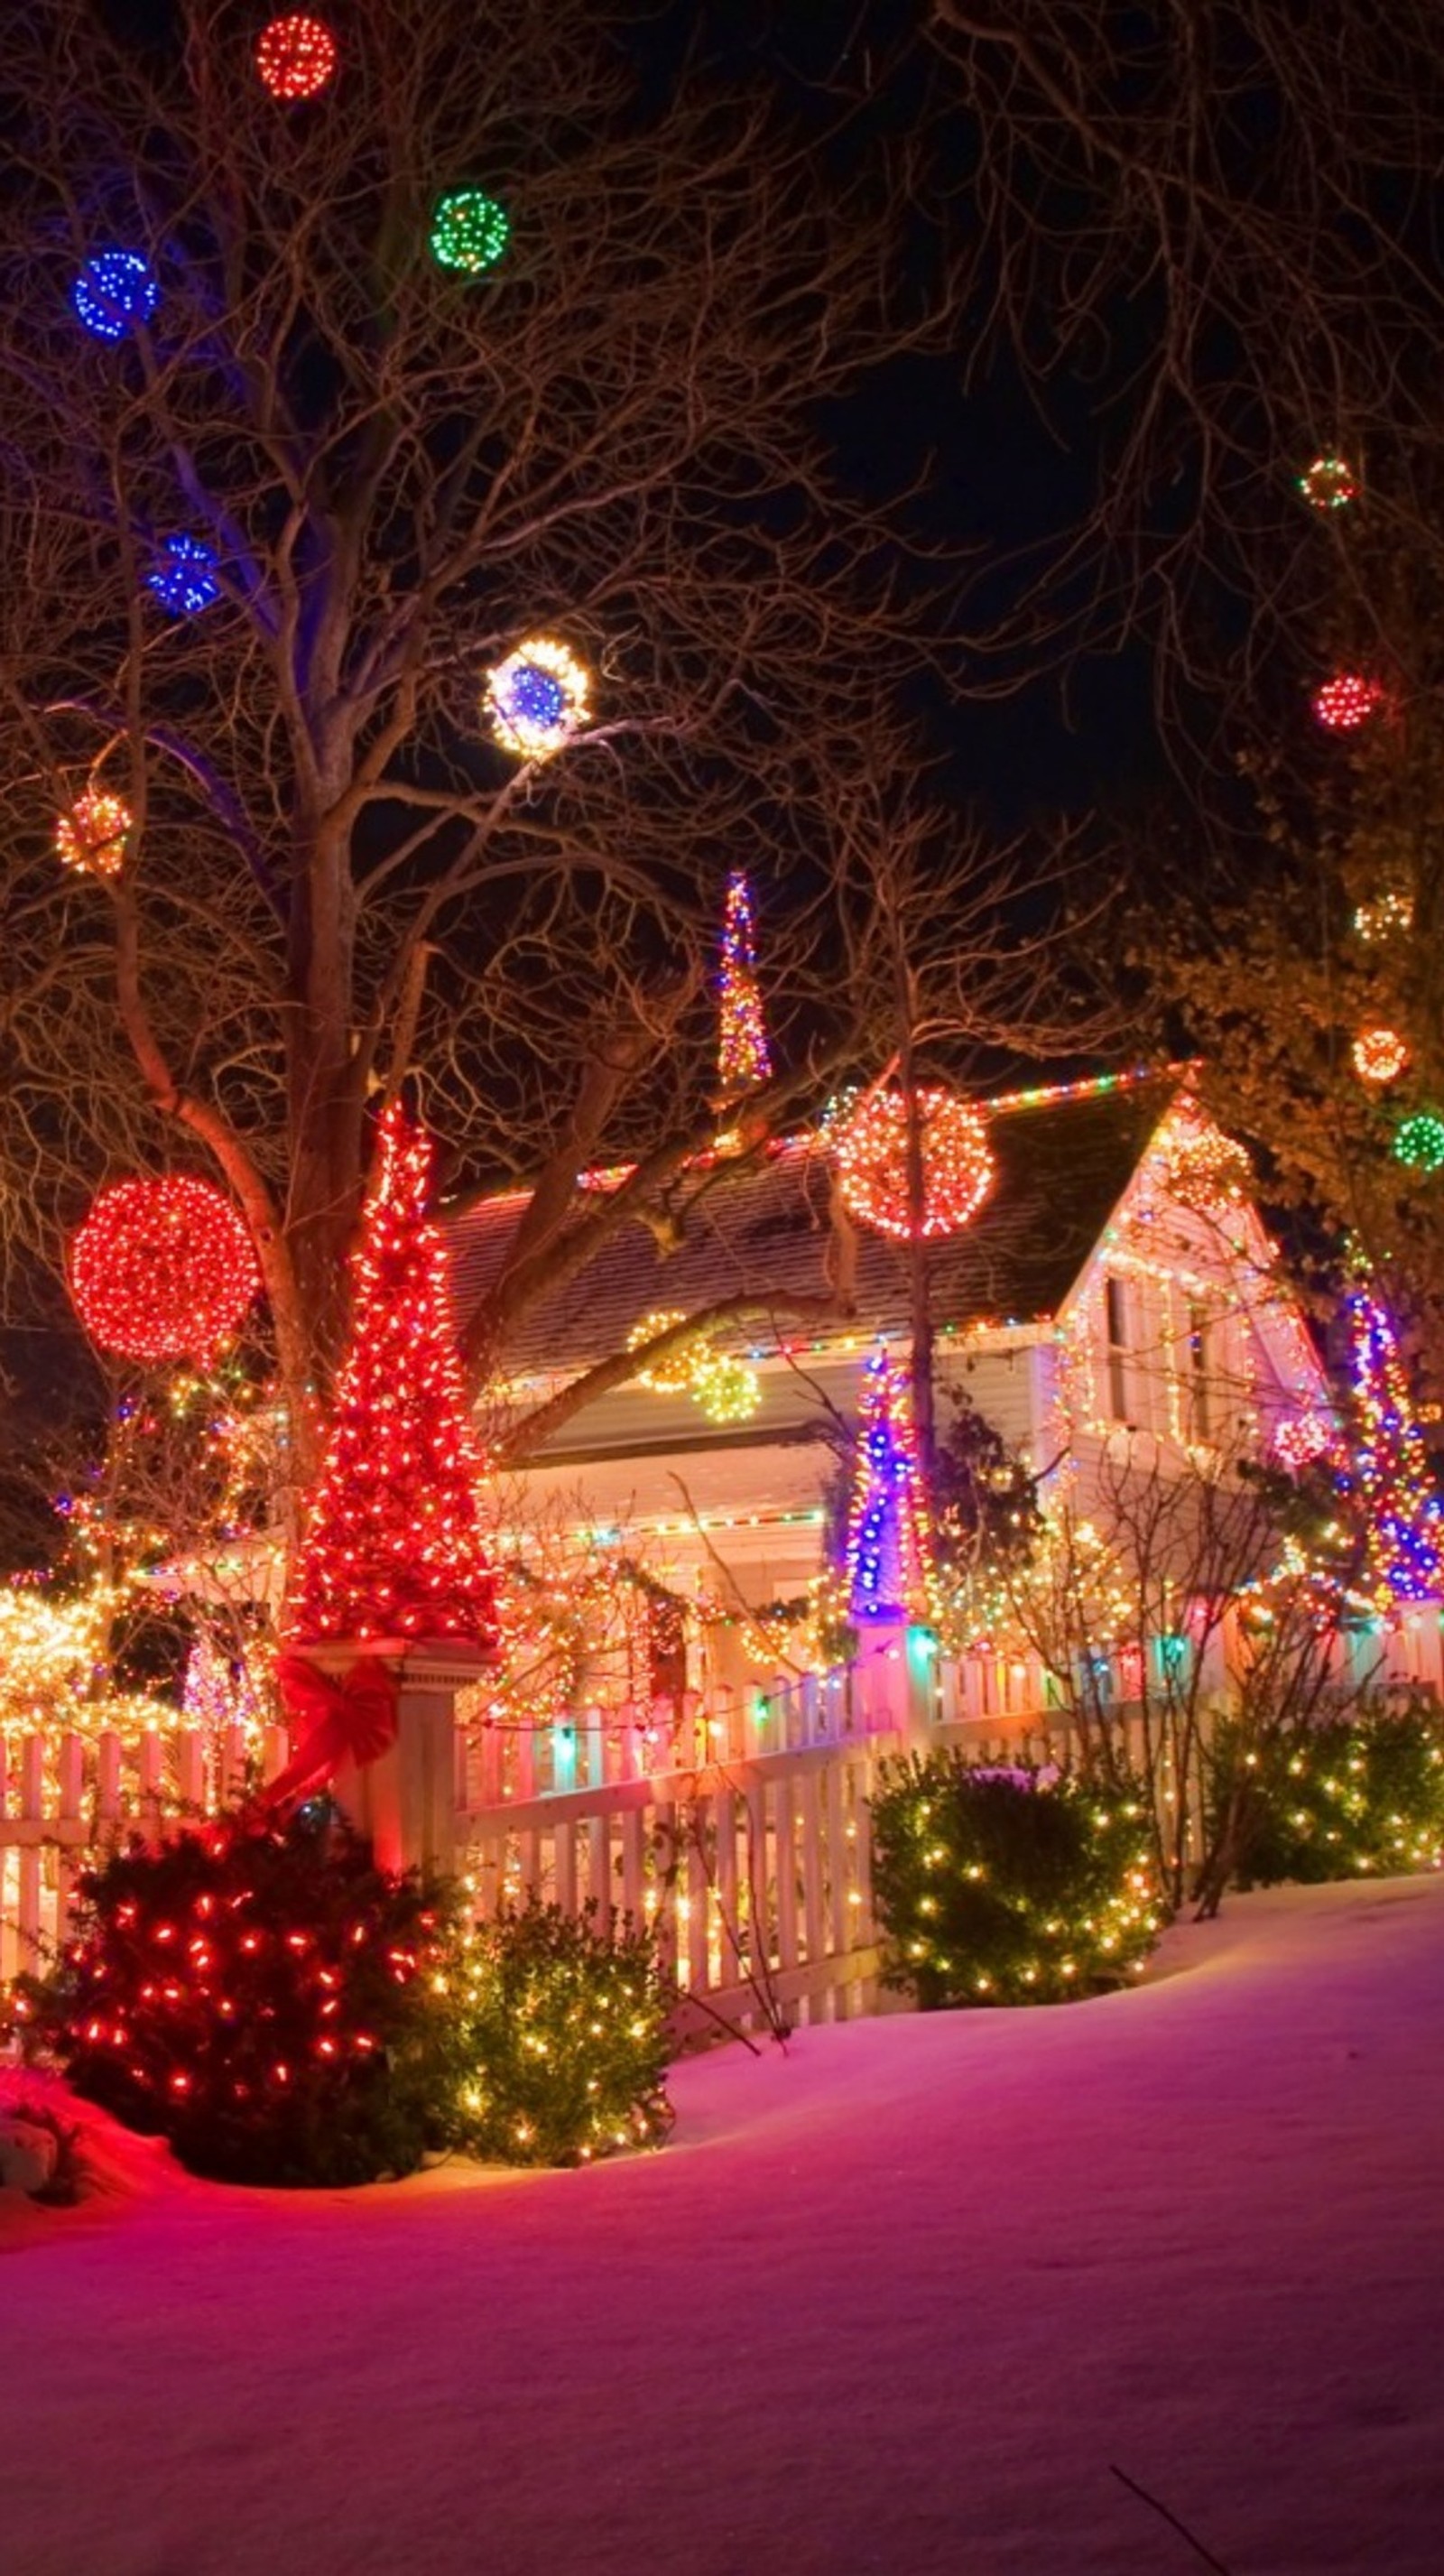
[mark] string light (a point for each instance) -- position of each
(1207, 1171)
(1419, 1141)
(1328, 484)
(1346, 701)
(393, 1542)
(538, 698)
(672, 1373)
(185, 579)
(115, 292)
(1380, 1055)
(1389, 913)
(162, 1269)
(744, 1061)
(469, 231)
(1300, 1440)
(92, 835)
(871, 1141)
(726, 1389)
(1389, 1470)
(887, 1538)
(295, 57)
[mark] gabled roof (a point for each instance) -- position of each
(761, 1230)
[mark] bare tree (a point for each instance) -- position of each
(333, 877)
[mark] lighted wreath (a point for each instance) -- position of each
(162, 1269)
(870, 1143)
(538, 698)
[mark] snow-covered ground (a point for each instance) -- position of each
(896, 2300)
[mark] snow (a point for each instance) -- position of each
(895, 2300)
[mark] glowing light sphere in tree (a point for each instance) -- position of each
(185, 579)
(673, 1373)
(92, 834)
(1390, 914)
(1380, 1056)
(115, 292)
(1419, 1142)
(538, 698)
(296, 57)
(871, 1147)
(469, 231)
(1300, 1440)
(1346, 701)
(1329, 483)
(1208, 1172)
(727, 1390)
(162, 1269)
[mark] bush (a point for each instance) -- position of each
(267, 1999)
(1009, 1886)
(566, 2029)
(1346, 1797)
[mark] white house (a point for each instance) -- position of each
(1116, 1286)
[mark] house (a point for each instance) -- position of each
(1116, 1293)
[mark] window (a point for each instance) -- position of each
(1115, 1322)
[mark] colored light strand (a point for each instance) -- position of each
(1389, 1471)
(469, 231)
(887, 1537)
(393, 1543)
(1329, 483)
(871, 1145)
(296, 57)
(92, 834)
(538, 699)
(744, 1061)
(115, 293)
(163, 1269)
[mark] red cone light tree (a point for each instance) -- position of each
(393, 1543)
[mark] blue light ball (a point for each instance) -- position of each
(537, 696)
(185, 578)
(115, 291)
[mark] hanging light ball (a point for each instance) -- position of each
(1329, 483)
(727, 1390)
(871, 1147)
(115, 292)
(1346, 701)
(538, 698)
(469, 231)
(672, 1374)
(1388, 913)
(1380, 1055)
(1208, 1171)
(185, 579)
(92, 834)
(1300, 1440)
(162, 1269)
(1419, 1142)
(296, 57)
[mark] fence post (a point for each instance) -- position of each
(894, 1680)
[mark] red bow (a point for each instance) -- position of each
(352, 1720)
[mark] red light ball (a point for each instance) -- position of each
(162, 1269)
(871, 1146)
(1346, 702)
(296, 57)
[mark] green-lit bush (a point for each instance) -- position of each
(566, 2032)
(1009, 1886)
(266, 1998)
(1355, 1796)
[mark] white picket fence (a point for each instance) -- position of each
(64, 1800)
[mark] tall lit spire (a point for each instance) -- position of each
(743, 1059)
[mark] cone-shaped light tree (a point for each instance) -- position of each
(1389, 1472)
(744, 1059)
(887, 1543)
(393, 1542)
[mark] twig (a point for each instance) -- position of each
(1180, 2527)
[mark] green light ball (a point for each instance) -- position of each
(469, 231)
(1420, 1142)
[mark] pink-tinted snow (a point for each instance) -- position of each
(893, 2301)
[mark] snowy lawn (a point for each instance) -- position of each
(895, 2300)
